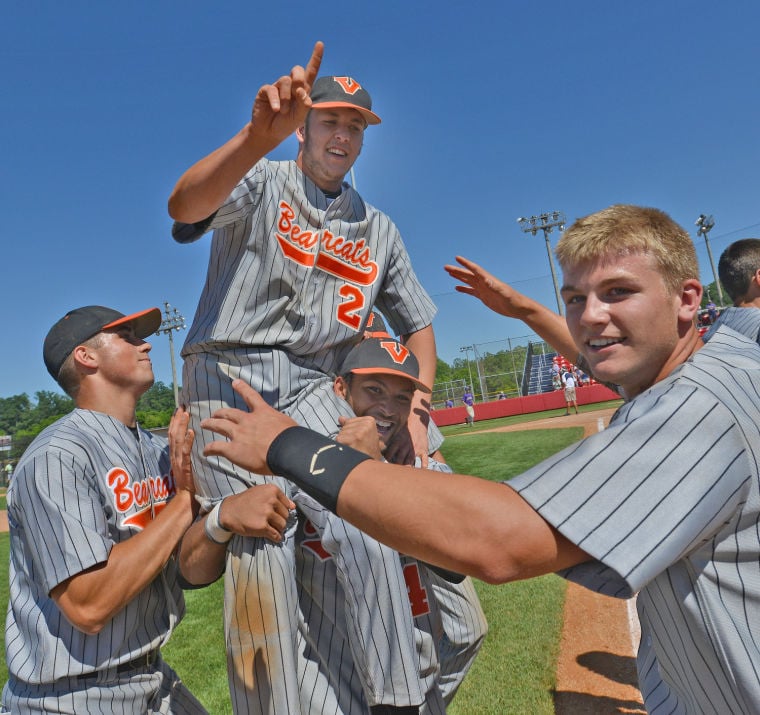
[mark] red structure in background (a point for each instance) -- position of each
(523, 405)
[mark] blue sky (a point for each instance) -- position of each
(490, 111)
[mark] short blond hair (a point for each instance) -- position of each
(623, 229)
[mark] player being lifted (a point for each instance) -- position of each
(298, 260)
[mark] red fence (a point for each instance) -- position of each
(523, 405)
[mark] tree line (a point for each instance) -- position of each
(23, 418)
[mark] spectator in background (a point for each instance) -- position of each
(712, 311)
(570, 398)
(449, 402)
(502, 396)
(469, 406)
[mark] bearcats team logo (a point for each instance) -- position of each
(150, 494)
(397, 351)
(349, 260)
(348, 85)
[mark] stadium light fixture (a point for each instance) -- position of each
(546, 222)
(172, 321)
(704, 225)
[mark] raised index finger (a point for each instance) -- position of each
(312, 68)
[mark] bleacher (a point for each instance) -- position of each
(540, 378)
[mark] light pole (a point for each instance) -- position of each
(172, 321)
(480, 374)
(546, 222)
(466, 350)
(704, 225)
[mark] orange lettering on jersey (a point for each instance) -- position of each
(336, 255)
(129, 493)
(396, 350)
(141, 519)
(348, 85)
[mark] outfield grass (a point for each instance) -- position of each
(515, 671)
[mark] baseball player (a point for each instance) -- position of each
(665, 502)
(96, 508)
(739, 271)
(378, 380)
(568, 379)
(298, 259)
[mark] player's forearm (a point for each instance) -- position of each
(90, 599)
(465, 524)
(422, 344)
(204, 187)
(201, 561)
(550, 326)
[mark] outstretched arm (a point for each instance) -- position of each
(442, 521)
(505, 300)
(278, 110)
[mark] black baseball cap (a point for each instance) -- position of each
(334, 91)
(81, 324)
(385, 356)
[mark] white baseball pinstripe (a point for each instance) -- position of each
(673, 515)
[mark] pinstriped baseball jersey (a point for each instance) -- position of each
(83, 485)
(291, 269)
(667, 502)
(374, 657)
(743, 320)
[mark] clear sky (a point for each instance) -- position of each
(491, 111)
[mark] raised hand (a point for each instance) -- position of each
(495, 294)
(280, 108)
(180, 444)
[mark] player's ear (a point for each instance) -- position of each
(85, 355)
(340, 387)
(691, 297)
(301, 134)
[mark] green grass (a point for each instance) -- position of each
(515, 671)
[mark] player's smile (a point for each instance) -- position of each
(331, 142)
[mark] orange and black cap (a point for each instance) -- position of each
(81, 324)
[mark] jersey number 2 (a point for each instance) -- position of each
(348, 311)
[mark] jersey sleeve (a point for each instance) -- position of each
(403, 301)
(637, 497)
(62, 518)
(243, 200)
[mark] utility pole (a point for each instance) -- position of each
(172, 321)
(546, 222)
(704, 225)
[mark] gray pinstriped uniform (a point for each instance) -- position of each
(667, 502)
(291, 283)
(743, 320)
(80, 488)
(449, 624)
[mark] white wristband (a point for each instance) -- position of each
(214, 530)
